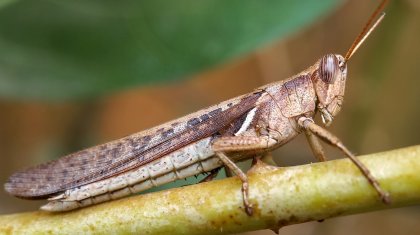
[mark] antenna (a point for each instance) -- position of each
(367, 30)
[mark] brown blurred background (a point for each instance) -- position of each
(381, 110)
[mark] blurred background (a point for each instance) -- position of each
(79, 73)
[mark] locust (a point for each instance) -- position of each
(245, 127)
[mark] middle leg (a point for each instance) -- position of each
(238, 144)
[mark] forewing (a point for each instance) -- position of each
(118, 156)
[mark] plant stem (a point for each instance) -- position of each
(280, 197)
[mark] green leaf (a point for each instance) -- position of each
(72, 49)
(4, 3)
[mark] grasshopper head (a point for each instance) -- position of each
(329, 81)
(330, 74)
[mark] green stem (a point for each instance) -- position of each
(280, 197)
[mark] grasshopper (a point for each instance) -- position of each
(247, 126)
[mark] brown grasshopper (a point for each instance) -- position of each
(246, 126)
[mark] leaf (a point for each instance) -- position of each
(70, 49)
(4, 3)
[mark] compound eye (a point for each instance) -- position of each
(329, 68)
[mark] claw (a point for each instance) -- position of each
(260, 166)
(248, 209)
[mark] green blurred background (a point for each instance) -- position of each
(78, 73)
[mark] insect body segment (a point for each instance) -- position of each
(330, 82)
(113, 158)
(180, 164)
